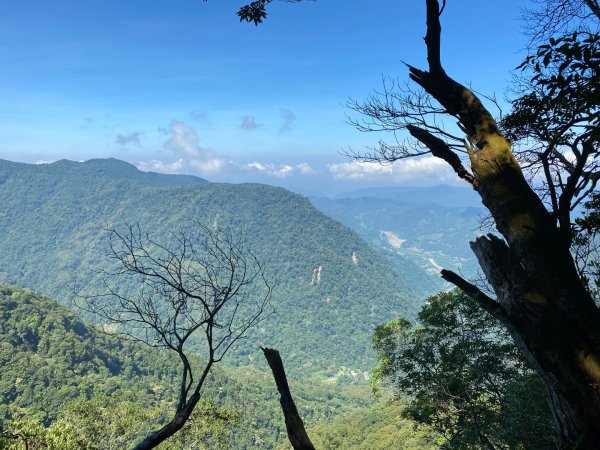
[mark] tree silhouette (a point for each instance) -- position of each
(203, 288)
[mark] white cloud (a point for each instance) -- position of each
(358, 170)
(269, 169)
(305, 169)
(279, 170)
(256, 165)
(427, 169)
(184, 142)
(160, 166)
(211, 166)
(193, 159)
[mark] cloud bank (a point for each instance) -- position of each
(182, 152)
(414, 170)
(190, 157)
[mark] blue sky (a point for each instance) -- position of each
(185, 87)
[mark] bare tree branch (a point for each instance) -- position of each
(200, 279)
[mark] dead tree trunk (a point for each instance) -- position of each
(293, 422)
(540, 297)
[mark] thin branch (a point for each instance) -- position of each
(490, 305)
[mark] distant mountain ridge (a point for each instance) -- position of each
(52, 218)
(431, 226)
(97, 168)
(443, 195)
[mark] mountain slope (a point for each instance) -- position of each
(410, 224)
(443, 195)
(51, 361)
(52, 219)
(49, 357)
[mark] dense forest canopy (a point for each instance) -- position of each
(67, 386)
(61, 210)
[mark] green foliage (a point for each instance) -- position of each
(564, 91)
(54, 216)
(464, 377)
(254, 12)
(589, 223)
(585, 238)
(209, 427)
(49, 357)
(573, 59)
(61, 379)
(23, 433)
(108, 423)
(257, 11)
(379, 428)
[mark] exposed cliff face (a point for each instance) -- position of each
(316, 276)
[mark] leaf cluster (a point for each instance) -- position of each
(555, 124)
(256, 11)
(565, 83)
(110, 423)
(463, 376)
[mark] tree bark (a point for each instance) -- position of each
(293, 422)
(540, 297)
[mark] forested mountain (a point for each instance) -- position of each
(58, 370)
(442, 195)
(429, 226)
(331, 289)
